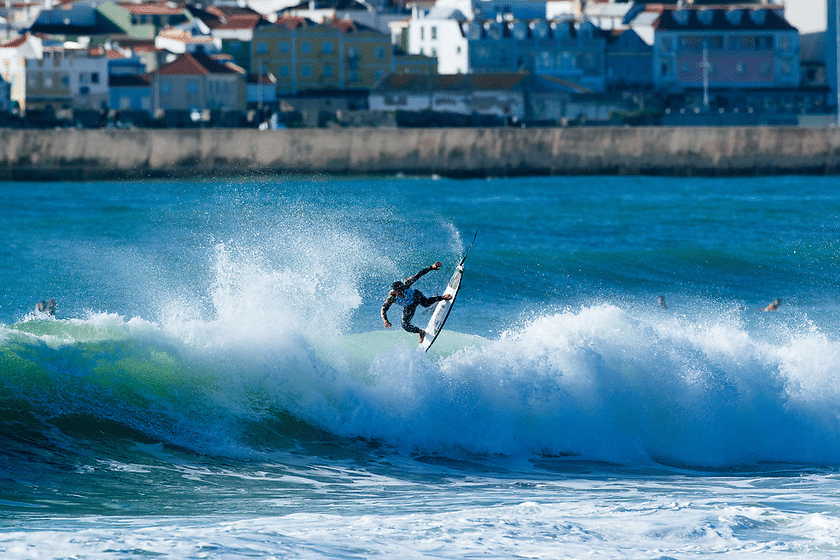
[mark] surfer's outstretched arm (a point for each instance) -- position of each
(385, 306)
(412, 279)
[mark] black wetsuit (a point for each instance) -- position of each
(410, 300)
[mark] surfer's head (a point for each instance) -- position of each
(398, 286)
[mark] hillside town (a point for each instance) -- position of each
(319, 63)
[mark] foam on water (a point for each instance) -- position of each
(599, 382)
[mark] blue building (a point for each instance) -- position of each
(560, 49)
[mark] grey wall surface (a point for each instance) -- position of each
(459, 152)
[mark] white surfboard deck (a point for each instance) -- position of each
(443, 307)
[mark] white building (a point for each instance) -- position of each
(439, 33)
(13, 57)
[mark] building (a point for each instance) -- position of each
(440, 34)
(67, 79)
(507, 97)
(13, 57)
(130, 87)
(233, 27)
(198, 81)
(561, 49)
(725, 48)
(5, 97)
(338, 55)
(629, 61)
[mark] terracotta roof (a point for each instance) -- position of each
(293, 22)
(350, 26)
(494, 81)
(193, 64)
(152, 8)
(15, 43)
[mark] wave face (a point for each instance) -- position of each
(242, 320)
(599, 382)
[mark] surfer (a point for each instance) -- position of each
(774, 306)
(403, 294)
(46, 308)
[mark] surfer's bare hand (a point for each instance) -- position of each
(437, 265)
(447, 296)
(387, 325)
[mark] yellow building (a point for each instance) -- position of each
(338, 54)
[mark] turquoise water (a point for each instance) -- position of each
(217, 382)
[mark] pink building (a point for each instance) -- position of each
(725, 48)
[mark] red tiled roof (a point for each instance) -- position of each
(15, 43)
(193, 64)
(348, 25)
(293, 22)
(152, 8)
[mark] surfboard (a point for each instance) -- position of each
(443, 307)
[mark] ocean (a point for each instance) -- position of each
(217, 383)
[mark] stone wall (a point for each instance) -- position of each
(459, 152)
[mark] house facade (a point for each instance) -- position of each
(629, 60)
(306, 56)
(67, 78)
(440, 34)
(725, 48)
(198, 81)
(561, 49)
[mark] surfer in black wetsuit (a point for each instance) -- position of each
(403, 294)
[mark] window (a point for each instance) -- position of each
(422, 32)
(741, 68)
(306, 47)
(48, 81)
(766, 69)
(354, 75)
(434, 32)
(327, 47)
(667, 44)
(379, 52)
(283, 47)
(192, 87)
(262, 48)
(65, 81)
(283, 71)
(327, 71)
(94, 77)
(306, 71)
(166, 87)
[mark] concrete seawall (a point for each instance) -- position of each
(458, 152)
